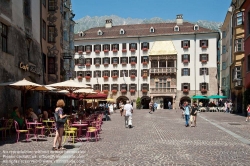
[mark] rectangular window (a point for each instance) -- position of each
(145, 46)
(144, 59)
(133, 59)
(115, 47)
(51, 65)
(106, 47)
(168, 84)
(239, 45)
(44, 30)
(203, 71)
(239, 19)
(51, 34)
(223, 81)
(97, 48)
(26, 8)
(204, 86)
(204, 43)
(185, 72)
(133, 46)
(106, 73)
(88, 48)
(223, 49)
(224, 65)
(98, 61)
(44, 3)
(224, 34)
(3, 39)
(124, 60)
(51, 5)
(185, 44)
(106, 87)
(185, 86)
(203, 57)
(124, 46)
(115, 73)
(162, 63)
(144, 72)
(237, 72)
(185, 58)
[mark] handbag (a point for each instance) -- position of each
(58, 119)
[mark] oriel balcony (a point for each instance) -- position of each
(162, 70)
(163, 90)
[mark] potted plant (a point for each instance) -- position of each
(87, 77)
(185, 47)
(203, 90)
(133, 63)
(123, 90)
(114, 50)
(132, 50)
(97, 51)
(105, 77)
(185, 90)
(115, 76)
(132, 90)
(138, 103)
(87, 64)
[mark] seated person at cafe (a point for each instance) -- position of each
(31, 114)
(45, 115)
(17, 116)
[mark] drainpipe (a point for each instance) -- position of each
(139, 66)
(195, 63)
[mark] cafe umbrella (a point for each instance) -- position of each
(199, 97)
(24, 86)
(69, 85)
(217, 97)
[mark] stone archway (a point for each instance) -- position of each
(145, 100)
(121, 98)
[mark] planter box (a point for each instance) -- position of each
(204, 61)
(105, 77)
(132, 50)
(133, 63)
(185, 90)
(145, 49)
(97, 51)
(124, 50)
(97, 64)
(132, 90)
(106, 64)
(144, 63)
(114, 77)
(79, 77)
(114, 91)
(203, 91)
(185, 47)
(114, 50)
(106, 51)
(105, 91)
(204, 47)
(123, 90)
(132, 76)
(87, 64)
(144, 76)
(114, 64)
(185, 61)
(124, 63)
(79, 52)
(88, 51)
(144, 90)
(87, 77)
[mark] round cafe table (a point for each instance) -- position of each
(35, 125)
(79, 134)
(48, 126)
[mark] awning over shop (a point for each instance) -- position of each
(163, 48)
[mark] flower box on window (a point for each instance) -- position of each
(203, 91)
(97, 91)
(132, 76)
(123, 90)
(132, 50)
(124, 50)
(203, 46)
(88, 51)
(132, 90)
(133, 63)
(144, 90)
(114, 91)
(105, 91)
(105, 77)
(204, 61)
(87, 77)
(185, 47)
(114, 64)
(114, 50)
(185, 61)
(185, 90)
(144, 63)
(79, 77)
(79, 52)
(124, 63)
(87, 64)
(145, 49)
(144, 76)
(114, 76)
(106, 51)
(97, 51)
(105, 64)
(97, 64)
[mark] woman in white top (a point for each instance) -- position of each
(111, 108)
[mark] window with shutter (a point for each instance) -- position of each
(88, 48)
(203, 43)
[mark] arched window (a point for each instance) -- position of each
(122, 32)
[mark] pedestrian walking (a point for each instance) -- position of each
(225, 107)
(248, 112)
(127, 111)
(59, 126)
(169, 105)
(155, 106)
(187, 110)
(150, 107)
(193, 114)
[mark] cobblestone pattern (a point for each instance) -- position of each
(157, 139)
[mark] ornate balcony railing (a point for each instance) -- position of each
(162, 70)
(162, 90)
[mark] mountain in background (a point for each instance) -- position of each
(88, 22)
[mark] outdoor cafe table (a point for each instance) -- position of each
(35, 124)
(48, 126)
(79, 125)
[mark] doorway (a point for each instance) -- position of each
(145, 100)
(166, 100)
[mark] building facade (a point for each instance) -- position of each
(20, 51)
(161, 62)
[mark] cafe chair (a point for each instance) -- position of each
(8, 125)
(28, 127)
(68, 132)
(21, 131)
(90, 131)
(41, 128)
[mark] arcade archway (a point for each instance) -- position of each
(185, 98)
(121, 98)
(145, 100)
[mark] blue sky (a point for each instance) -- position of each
(192, 10)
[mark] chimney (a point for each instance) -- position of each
(179, 19)
(108, 23)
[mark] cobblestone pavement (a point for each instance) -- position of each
(156, 139)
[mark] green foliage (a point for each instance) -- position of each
(138, 103)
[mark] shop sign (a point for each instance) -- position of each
(30, 68)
